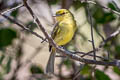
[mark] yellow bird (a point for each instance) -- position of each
(61, 34)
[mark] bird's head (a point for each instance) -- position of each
(63, 14)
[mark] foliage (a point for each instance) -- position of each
(101, 75)
(36, 69)
(6, 36)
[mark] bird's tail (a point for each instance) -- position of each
(50, 64)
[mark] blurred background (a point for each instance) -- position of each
(24, 57)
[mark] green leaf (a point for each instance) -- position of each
(6, 36)
(100, 75)
(68, 63)
(108, 17)
(1, 76)
(103, 17)
(52, 2)
(1, 59)
(86, 70)
(98, 15)
(36, 69)
(113, 6)
(31, 25)
(116, 70)
(117, 50)
(14, 13)
(77, 4)
(110, 5)
(8, 65)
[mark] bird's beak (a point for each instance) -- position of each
(56, 15)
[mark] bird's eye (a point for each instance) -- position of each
(63, 13)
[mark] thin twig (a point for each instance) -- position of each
(87, 61)
(61, 56)
(84, 54)
(15, 21)
(12, 9)
(88, 54)
(92, 36)
(54, 27)
(97, 49)
(78, 72)
(93, 2)
(103, 39)
(114, 34)
(22, 26)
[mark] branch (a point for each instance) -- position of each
(87, 61)
(12, 9)
(93, 2)
(39, 24)
(114, 34)
(22, 26)
(91, 24)
(83, 54)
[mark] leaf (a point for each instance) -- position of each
(68, 63)
(1, 76)
(14, 13)
(1, 59)
(116, 70)
(77, 4)
(108, 17)
(52, 2)
(31, 25)
(113, 6)
(100, 75)
(117, 50)
(110, 5)
(6, 36)
(36, 69)
(103, 17)
(8, 65)
(98, 15)
(86, 70)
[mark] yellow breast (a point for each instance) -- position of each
(66, 34)
(66, 37)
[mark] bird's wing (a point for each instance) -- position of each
(54, 32)
(58, 32)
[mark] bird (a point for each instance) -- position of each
(62, 34)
